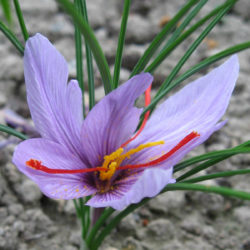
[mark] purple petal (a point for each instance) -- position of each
(56, 108)
(197, 107)
(148, 184)
(113, 120)
(54, 156)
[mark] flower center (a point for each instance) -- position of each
(114, 160)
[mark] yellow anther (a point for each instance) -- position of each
(106, 175)
(138, 149)
(112, 157)
(114, 160)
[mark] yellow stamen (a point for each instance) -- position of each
(114, 160)
(106, 175)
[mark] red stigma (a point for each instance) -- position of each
(146, 116)
(182, 143)
(37, 165)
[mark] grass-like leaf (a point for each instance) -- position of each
(174, 43)
(99, 223)
(121, 39)
(217, 175)
(208, 189)
(6, 6)
(12, 131)
(79, 61)
(92, 42)
(240, 149)
(21, 20)
(199, 66)
(194, 45)
(13, 39)
(155, 44)
(90, 70)
(209, 163)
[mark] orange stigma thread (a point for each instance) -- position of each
(183, 142)
(37, 165)
(146, 116)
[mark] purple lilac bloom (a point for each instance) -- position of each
(69, 143)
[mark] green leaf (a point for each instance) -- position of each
(90, 70)
(118, 58)
(13, 39)
(79, 61)
(208, 189)
(155, 44)
(217, 175)
(170, 46)
(242, 148)
(92, 42)
(21, 20)
(199, 66)
(194, 45)
(100, 222)
(209, 163)
(6, 6)
(12, 131)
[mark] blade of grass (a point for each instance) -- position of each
(21, 20)
(194, 45)
(232, 151)
(217, 175)
(208, 189)
(121, 39)
(90, 70)
(207, 164)
(199, 66)
(141, 64)
(13, 39)
(92, 42)
(12, 131)
(102, 219)
(6, 10)
(79, 62)
(169, 47)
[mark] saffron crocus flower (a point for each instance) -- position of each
(102, 156)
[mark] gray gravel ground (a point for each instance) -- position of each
(177, 220)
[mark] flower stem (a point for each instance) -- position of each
(21, 20)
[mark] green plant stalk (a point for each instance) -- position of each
(155, 44)
(79, 61)
(185, 22)
(90, 70)
(99, 223)
(196, 68)
(171, 46)
(21, 20)
(208, 189)
(13, 39)
(7, 10)
(92, 42)
(217, 175)
(12, 131)
(202, 166)
(242, 148)
(195, 44)
(121, 40)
